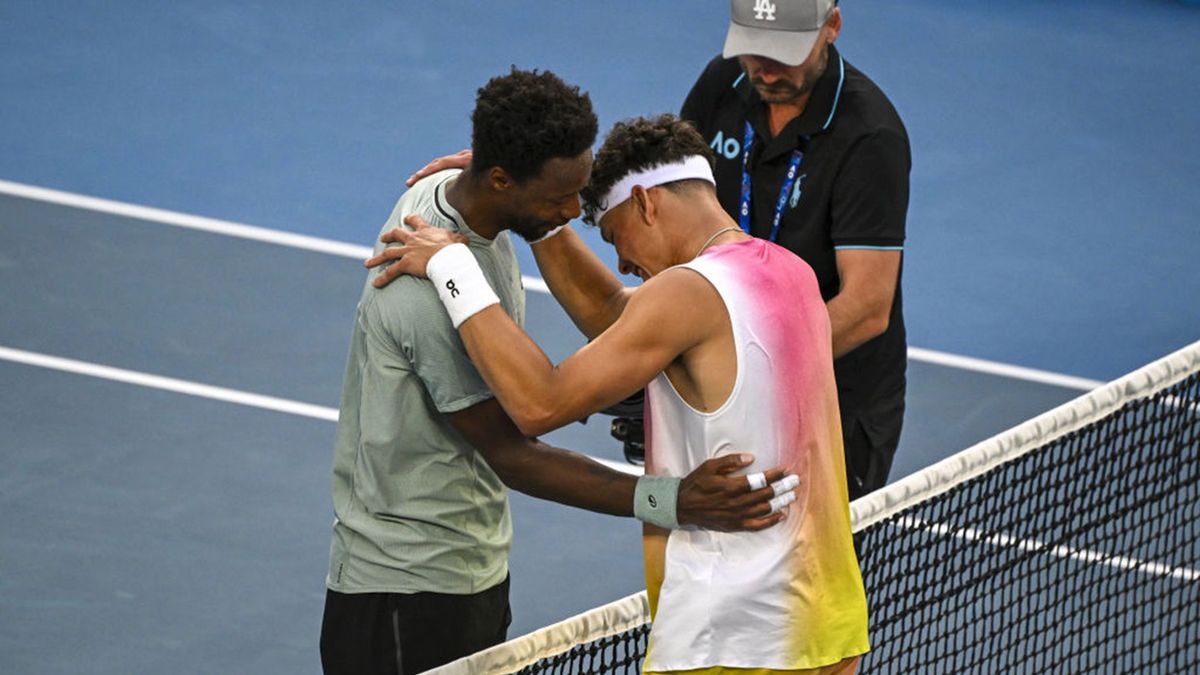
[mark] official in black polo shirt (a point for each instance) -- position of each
(812, 155)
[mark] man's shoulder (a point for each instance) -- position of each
(720, 73)
(867, 107)
(425, 200)
(429, 183)
(715, 90)
(424, 192)
(405, 308)
(687, 286)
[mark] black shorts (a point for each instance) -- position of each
(399, 634)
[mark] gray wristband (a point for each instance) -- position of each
(654, 501)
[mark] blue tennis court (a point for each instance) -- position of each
(171, 375)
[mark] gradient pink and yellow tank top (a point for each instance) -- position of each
(789, 597)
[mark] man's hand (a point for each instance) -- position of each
(459, 160)
(417, 247)
(711, 498)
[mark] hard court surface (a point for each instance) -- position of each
(167, 393)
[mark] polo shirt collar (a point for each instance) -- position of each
(818, 115)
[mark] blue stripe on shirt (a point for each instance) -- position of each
(868, 248)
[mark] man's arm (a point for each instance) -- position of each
(668, 315)
(863, 305)
(709, 497)
(589, 292)
(869, 209)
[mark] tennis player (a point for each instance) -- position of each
(731, 338)
(418, 571)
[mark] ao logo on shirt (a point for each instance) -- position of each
(729, 148)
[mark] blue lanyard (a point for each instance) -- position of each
(793, 167)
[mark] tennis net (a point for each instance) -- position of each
(1070, 543)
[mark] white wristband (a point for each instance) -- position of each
(460, 283)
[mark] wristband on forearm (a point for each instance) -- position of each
(655, 499)
(460, 283)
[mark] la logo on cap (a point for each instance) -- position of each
(764, 10)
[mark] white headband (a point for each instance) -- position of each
(691, 167)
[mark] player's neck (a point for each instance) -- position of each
(464, 195)
(722, 230)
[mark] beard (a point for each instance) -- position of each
(530, 228)
(786, 91)
(778, 91)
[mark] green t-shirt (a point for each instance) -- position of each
(418, 509)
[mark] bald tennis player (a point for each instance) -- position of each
(731, 339)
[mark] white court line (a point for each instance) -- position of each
(531, 283)
(1033, 545)
(184, 220)
(203, 224)
(168, 384)
(1003, 369)
(201, 390)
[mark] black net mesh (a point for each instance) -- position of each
(1082, 556)
(621, 653)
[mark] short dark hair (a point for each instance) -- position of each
(525, 118)
(636, 145)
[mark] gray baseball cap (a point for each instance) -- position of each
(783, 30)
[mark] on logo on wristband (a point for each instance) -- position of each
(460, 283)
